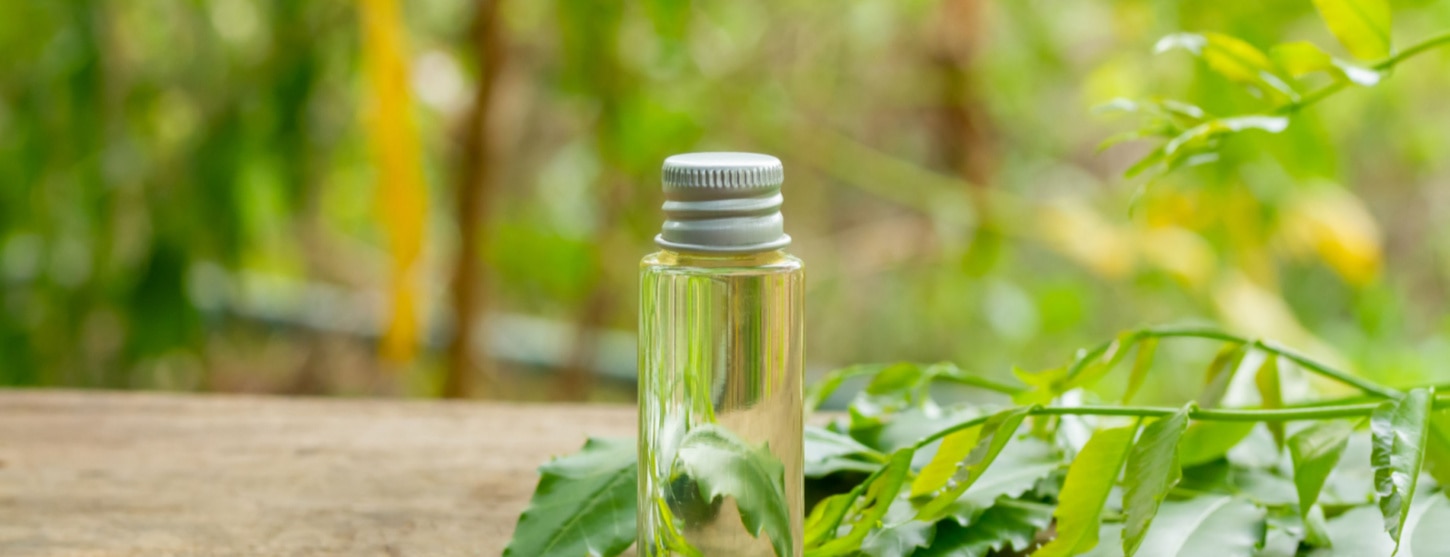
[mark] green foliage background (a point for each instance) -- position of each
(187, 192)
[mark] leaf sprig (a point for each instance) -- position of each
(1191, 136)
(980, 484)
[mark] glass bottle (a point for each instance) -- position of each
(720, 366)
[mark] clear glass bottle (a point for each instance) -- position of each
(720, 366)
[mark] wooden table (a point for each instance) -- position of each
(112, 474)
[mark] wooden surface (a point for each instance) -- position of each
(111, 474)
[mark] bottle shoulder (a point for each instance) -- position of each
(777, 261)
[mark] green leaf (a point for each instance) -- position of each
(1208, 441)
(1431, 536)
(1174, 112)
(862, 514)
(900, 533)
(945, 463)
(1400, 430)
(1357, 533)
(1152, 470)
(1288, 531)
(723, 465)
(1234, 59)
(1142, 364)
(825, 517)
(828, 452)
(1090, 372)
(1362, 26)
(1022, 464)
(1203, 134)
(1090, 479)
(1009, 524)
(1206, 527)
(1437, 449)
(823, 389)
(1272, 393)
(1043, 386)
(584, 504)
(1148, 161)
(1220, 374)
(995, 433)
(1315, 451)
(1300, 58)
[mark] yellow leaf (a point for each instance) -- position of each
(402, 201)
(948, 460)
(1083, 236)
(1336, 226)
(1180, 253)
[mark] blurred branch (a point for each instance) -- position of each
(904, 182)
(1387, 64)
(474, 188)
(527, 341)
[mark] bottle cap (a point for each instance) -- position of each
(723, 203)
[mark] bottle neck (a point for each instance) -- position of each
(702, 259)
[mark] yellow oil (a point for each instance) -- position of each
(720, 343)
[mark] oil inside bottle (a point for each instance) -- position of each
(720, 343)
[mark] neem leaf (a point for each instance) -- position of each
(1089, 372)
(825, 517)
(1206, 132)
(1009, 524)
(1300, 58)
(864, 513)
(1152, 470)
(827, 452)
(1022, 464)
(1208, 441)
(1142, 363)
(723, 465)
(1272, 393)
(1437, 449)
(1362, 26)
(1234, 59)
(900, 533)
(1220, 374)
(823, 389)
(1357, 533)
(584, 504)
(1400, 430)
(945, 463)
(996, 432)
(1089, 480)
(1315, 451)
(1042, 386)
(1206, 527)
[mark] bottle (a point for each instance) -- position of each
(720, 366)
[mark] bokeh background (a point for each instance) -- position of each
(450, 198)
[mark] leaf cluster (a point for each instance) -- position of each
(1286, 78)
(902, 474)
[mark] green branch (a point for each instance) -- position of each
(1413, 50)
(1359, 410)
(1360, 383)
(980, 382)
(1326, 91)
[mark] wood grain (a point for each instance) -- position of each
(113, 474)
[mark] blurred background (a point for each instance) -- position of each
(450, 198)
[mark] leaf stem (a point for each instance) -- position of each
(1323, 92)
(1362, 384)
(980, 382)
(1358, 410)
(1413, 50)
